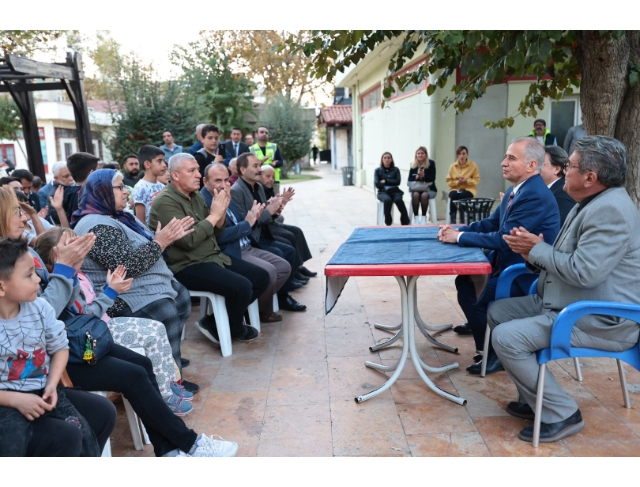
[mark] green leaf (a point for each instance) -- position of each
(633, 78)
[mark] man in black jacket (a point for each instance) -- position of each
(552, 173)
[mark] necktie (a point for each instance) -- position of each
(511, 196)
(235, 149)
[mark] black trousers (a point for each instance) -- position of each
(99, 412)
(475, 310)
(240, 284)
(288, 253)
(455, 196)
(388, 201)
(296, 237)
(130, 373)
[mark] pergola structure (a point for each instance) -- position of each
(19, 77)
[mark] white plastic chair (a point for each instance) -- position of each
(433, 215)
(448, 220)
(219, 307)
(276, 305)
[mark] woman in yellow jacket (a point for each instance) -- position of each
(463, 178)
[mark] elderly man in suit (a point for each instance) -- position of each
(527, 203)
(555, 159)
(244, 193)
(596, 256)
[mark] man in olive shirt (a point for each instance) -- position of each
(196, 260)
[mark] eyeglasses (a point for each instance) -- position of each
(568, 166)
(120, 187)
(18, 210)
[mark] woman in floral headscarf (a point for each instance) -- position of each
(122, 239)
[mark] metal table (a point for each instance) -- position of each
(407, 276)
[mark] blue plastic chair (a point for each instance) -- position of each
(560, 346)
(503, 290)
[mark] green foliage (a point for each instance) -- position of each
(149, 107)
(223, 98)
(10, 123)
(549, 58)
(27, 41)
(289, 127)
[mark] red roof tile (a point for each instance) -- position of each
(337, 114)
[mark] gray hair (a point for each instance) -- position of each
(216, 165)
(199, 127)
(117, 175)
(533, 150)
(558, 157)
(57, 167)
(176, 160)
(267, 167)
(605, 156)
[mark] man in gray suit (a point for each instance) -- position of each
(596, 256)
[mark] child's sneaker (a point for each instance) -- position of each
(178, 406)
(180, 391)
(206, 446)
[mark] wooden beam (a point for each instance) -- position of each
(32, 87)
(35, 68)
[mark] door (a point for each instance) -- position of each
(67, 147)
(564, 114)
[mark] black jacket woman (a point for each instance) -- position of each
(386, 179)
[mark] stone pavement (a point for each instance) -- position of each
(291, 392)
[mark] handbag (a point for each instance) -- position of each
(419, 186)
(89, 337)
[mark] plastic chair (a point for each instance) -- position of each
(474, 209)
(560, 346)
(432, 212)
(380, 217)
(448, 217)
(276, 305)
(219, 307)
(503, 290)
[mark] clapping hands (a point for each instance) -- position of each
(117, 281)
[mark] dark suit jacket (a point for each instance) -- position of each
(533, 208)
(242, 197)
(565, 202)
(242, 148)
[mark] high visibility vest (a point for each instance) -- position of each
(270, 151)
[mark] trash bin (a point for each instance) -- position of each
(474, 209)
(297, 169)
(347, 176)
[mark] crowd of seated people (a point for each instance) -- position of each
(126, 246)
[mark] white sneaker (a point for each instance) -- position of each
(416, 220)
(423, 220)
(206, 446)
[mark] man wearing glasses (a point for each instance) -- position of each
(596, 256)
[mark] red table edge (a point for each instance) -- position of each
(442, 269)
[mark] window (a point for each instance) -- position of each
(371, 99)
(564, 114)
(411, 87)
(7, 151)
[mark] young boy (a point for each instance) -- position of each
(36, 418)
(152, 159)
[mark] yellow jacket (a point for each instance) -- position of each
(469, 171)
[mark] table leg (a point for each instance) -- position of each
(389, 328)
(405, 348)
(409, 344)
(389, 342)
(424, 327)
(419, 364)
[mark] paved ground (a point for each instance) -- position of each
(290, 392)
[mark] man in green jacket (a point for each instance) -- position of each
(196, 260)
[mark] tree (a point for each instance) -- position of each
(604, 64)
(289, 127)
(10, 123)
(275, 72)
(27, 41)
(148, 108)
(223, 97)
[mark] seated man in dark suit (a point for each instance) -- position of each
(528, 203)
(552, 172)
(244, 193)
(236, 240)
(595, 257)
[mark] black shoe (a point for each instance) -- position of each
(306, 272)
(185, 362)
(296, 284)
(493, 365)
(290, 304)
(463, 329)
(520, 410)
(555, 431)
(191, 387)
(477, 357)
(207, 326)
(246, 334)
(304, 282)
(301, 278)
